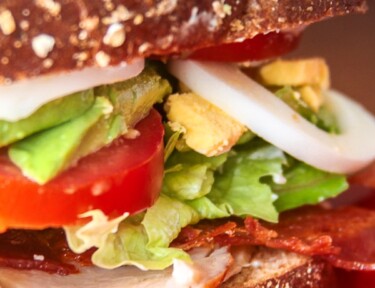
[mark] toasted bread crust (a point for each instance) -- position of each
(46, 36)
(277, 268)
(313, 274)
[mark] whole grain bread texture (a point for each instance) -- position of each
(277, 268)
(48, 36)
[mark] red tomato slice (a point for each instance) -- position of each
(262, 46)
(125, 177)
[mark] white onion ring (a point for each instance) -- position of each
(266, 115)
(20, 99)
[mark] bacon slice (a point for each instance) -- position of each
(345, 237)
(40, 250)
(207, 272)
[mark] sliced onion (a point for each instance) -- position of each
(266, 115)
(20, 99)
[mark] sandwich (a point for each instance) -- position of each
(167, 144)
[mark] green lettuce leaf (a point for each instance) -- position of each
(164, 220)
(307, 185)
(189, 183)
(193, 158)
(93, 234)
(190, 175)
(144, 242)
(238, 189)
(206, 209)
(128, 246)
(239, 183)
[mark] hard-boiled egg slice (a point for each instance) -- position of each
(20, 99)
(266, 115)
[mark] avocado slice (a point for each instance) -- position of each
(117, 109)
(132, 100)
(51, 114)
(43, 155)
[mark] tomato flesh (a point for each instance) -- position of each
(260, 47)
(124, 177)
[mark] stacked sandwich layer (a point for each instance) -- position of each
(242, 143)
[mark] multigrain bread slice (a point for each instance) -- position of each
(276, 268)
(43, 36)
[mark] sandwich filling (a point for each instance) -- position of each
(215, 165)
(169, 172)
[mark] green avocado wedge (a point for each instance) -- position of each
(131, 101)
(134, 98)
(51, 114)
(43, 155)
(117, 108)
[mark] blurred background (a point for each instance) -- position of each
(348, 45)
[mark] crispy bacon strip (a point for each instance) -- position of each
(45, 250)
(350, 231)
(345, 237)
